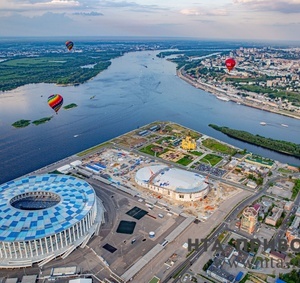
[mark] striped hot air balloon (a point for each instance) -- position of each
(55, 101)
(69, 44)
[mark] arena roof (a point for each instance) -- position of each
(174, 179)
(76, 199)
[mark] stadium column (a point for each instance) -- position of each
(31, 253)
(81, 228)
(57, 247)
(9, 249)
(51, 242)
(4, 244)
(14, 245)
(41, 246)
(46, 243)
(20, 250)
(36, 248)
(61, 240)
(1, 250)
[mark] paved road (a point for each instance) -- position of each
(183, 267)
(285, 223)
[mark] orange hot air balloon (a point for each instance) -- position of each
(230, 63)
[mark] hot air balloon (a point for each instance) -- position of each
(55, 101)
(230, 63)
(69, 44)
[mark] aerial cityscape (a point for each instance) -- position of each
(149, 141)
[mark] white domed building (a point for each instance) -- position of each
(45, 216)
(175, 183)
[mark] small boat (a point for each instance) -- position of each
(92, 97)
(238, 103)
(75, 136)
(263, 123)
(223, 98)
(284, 125)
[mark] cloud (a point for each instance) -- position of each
(198, 12)
(133, 6)
(48, 24)
(282, 6)
(17, 5)
(93, 13)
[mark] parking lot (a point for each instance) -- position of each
(211, 170)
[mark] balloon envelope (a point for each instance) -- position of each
(230, 63)
(55, 101)
(69, 44)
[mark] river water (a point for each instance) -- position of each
(136, 89)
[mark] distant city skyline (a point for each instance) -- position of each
(218, 19)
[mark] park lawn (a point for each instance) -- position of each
(198, 153)
(148, 149)
(212, 158)
(219, 147)
(186, 160)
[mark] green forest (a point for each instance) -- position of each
(65, 68)
(276, 145)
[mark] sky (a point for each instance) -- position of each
(277, 20)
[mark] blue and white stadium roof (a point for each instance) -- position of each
(75, 198)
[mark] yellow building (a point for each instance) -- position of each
(188, 143)
(249, 219)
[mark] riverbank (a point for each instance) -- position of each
(215, 91)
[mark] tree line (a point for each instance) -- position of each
(276, 145)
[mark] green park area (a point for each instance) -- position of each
(211, 159)
(148, 149)
(198, 153)
(154, 280)
(218, 147)
(296, 189)
(186, 160)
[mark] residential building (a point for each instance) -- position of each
(274, 217)
(249, 219)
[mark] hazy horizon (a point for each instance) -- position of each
(259, 20)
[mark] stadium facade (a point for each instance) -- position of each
(175, 183)
(45, 216)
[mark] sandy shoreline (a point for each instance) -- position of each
(212, 90)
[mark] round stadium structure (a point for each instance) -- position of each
(175, 183)
(44, 216)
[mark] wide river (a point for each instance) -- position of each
(136, 89)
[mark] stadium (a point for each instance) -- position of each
(45, 216)
(172, 182)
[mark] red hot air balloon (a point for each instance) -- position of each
(55, 101)
(230, 63)
(69, 44)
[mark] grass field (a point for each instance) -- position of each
(212, 158)
(219, 147)
(185, 160)
(154, 280)
(198, 153)
(148, 149)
